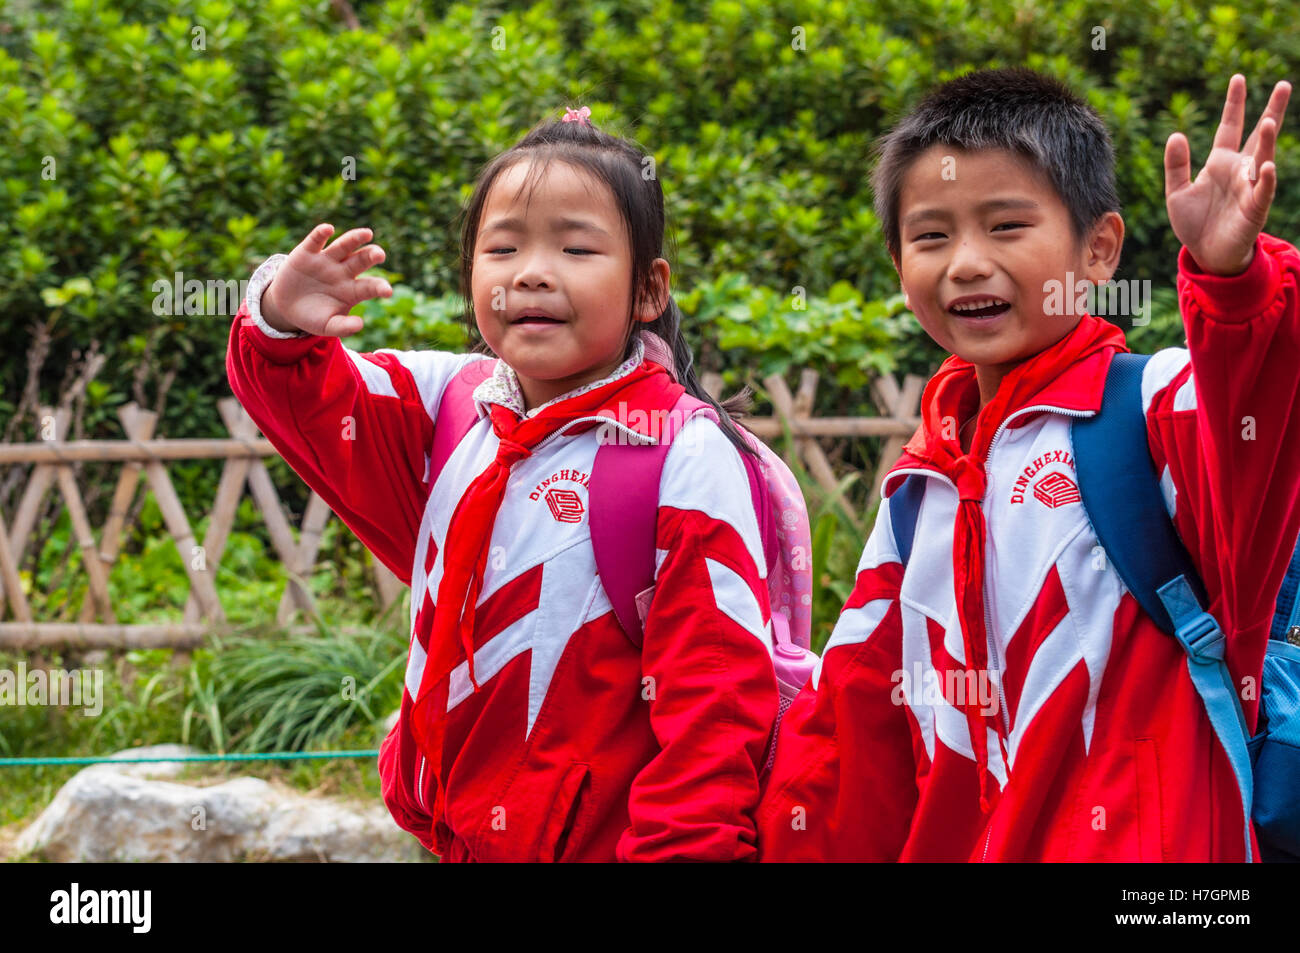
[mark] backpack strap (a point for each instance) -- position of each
(904, 510)
(623, 494)
(456, 413)
(1287, 616)
(1121, 495)
(623, 497)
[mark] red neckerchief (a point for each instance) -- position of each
(633, 398)
(953, 395)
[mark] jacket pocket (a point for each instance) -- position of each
(564, 824)
(1150, 816)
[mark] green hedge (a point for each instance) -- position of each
(148, 138)
(169, 158)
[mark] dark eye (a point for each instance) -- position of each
(580, 251)
(929, 236)
(493, 251)
(1010, 225)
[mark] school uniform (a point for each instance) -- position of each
(1005, 697)
(531, 727)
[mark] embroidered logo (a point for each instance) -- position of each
(563, 476)
(1026, 476)
(1056, 489)
(566, 506)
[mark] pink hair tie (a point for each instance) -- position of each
(578, 115)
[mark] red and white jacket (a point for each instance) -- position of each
(577, 745)
(1099, 745)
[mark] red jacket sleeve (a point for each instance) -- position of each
(1223, 420)
(843, 785)
(707, 663)
(356, 427)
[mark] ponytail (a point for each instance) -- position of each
(668, 327)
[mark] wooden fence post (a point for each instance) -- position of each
(234, 474)
(388, 585)
(66, 480)
(297, 591)
(38, 483)
(807, 447)
(201, 585)
(137, 424)
(902, 404)
(9, 573)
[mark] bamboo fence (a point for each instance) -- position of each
(145, 457)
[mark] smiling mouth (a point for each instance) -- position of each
(979, 308)
(539, 319)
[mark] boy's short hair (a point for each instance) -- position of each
(1017, 109)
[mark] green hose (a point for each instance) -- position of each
(269, 756)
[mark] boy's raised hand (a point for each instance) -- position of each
(1219, 215)
(317, 286)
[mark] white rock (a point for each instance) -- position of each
(109, 813)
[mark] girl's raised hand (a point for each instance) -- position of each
(317, 286)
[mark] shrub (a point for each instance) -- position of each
(150, 138)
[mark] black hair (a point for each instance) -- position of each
(1017, 109)
(628, 171)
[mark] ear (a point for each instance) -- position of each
(1102, 247)
(657, 300)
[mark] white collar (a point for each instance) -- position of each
(503, 386)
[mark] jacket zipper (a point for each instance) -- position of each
(419, 783)
(563, 431)
(989, 641)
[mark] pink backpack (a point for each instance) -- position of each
(624, 505)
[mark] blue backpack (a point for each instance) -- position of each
(1121, 494)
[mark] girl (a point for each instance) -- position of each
(531, 728)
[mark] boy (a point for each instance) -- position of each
(1005, 698)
